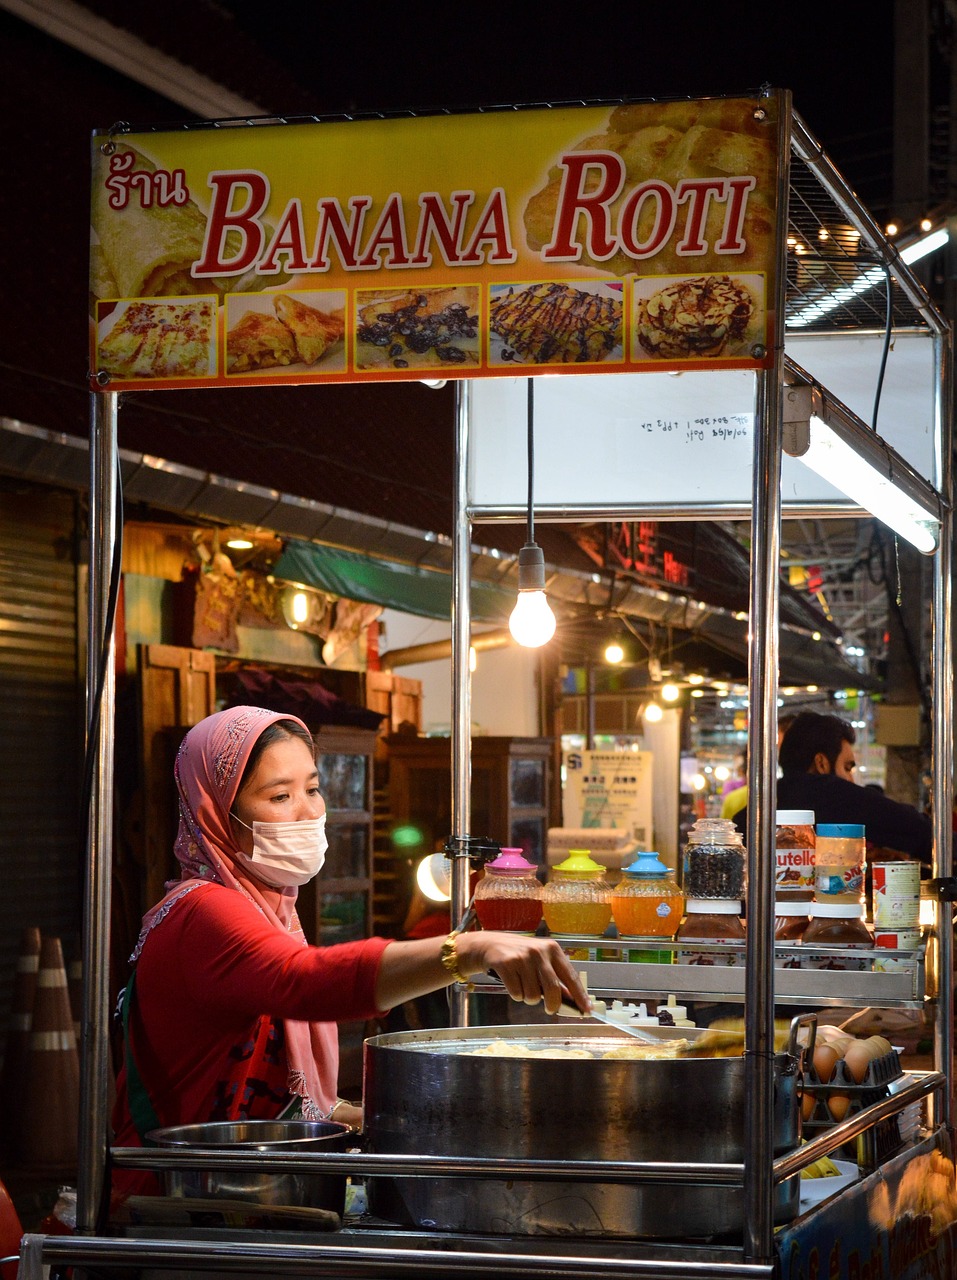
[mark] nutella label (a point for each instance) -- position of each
(793, 869)
(823, 960)
(718, 959)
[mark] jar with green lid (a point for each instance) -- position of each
(577, 898)
(509, 895)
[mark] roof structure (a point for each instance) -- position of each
(366, 467)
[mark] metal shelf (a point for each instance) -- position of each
(815, 988)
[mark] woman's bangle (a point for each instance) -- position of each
(450, 961)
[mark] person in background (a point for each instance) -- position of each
(737, 799)
(817, 764)
(229, 1014)
(739, 774)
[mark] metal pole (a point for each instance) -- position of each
(461, 679)
(95, 1067)
(762, 755)
(942, 742)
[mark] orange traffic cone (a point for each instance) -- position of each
(10, 1233)
(18, 1039)
(49, 1112)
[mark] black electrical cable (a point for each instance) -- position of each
(888, 325)
(530, 517)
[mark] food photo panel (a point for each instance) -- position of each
(556, 323)
(698, 317)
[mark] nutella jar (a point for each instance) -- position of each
(790, 923)
(837, 924)
(711, 920)
(794, 854)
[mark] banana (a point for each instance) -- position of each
(823, 1168)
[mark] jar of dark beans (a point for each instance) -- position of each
(713, 863)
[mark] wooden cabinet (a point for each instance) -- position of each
(337, 905)
(511, 790)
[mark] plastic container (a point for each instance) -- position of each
(509, 896)
(794, 844)
(647, 902)
(790, 923)
(577, 898)
(714, 861)
(711, 920)
(836, 924)
(839, 863)
(790, 919)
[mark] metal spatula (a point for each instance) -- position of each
(569, 1011)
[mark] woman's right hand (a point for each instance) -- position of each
(531, 969)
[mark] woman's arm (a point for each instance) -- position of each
(532, 969)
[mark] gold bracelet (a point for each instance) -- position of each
(450, 961)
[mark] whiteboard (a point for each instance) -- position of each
(682, 440)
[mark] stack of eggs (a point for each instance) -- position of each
(840, 1062)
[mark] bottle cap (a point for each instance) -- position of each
(579, 862)
(837, 910)
(841, 830)
(794, 817)
(510, 862)
(791, 907)
(646, 864)
(714, 906)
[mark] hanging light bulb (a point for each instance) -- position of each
(670, 692)
(532, 622)
(653, 713)
(614, 653)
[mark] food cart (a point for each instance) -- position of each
(696, 414)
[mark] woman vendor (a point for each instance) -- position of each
(230, 1015)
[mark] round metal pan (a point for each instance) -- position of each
(428, 1093)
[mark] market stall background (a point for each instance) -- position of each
(69, 69)
(45, 386)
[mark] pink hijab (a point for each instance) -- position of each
(208, 770)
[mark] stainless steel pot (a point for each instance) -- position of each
(427, 1093)
(302, 1190)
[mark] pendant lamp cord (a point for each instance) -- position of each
(530, 517)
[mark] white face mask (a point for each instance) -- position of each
(286, 854)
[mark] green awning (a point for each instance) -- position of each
(424, 592)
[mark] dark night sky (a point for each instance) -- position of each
(836, 57)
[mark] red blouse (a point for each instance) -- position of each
(213, 984)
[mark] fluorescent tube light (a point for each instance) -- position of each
(925, 245)
(862, 479)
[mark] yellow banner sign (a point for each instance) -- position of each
(568, 239)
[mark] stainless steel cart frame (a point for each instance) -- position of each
(402, 1253)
